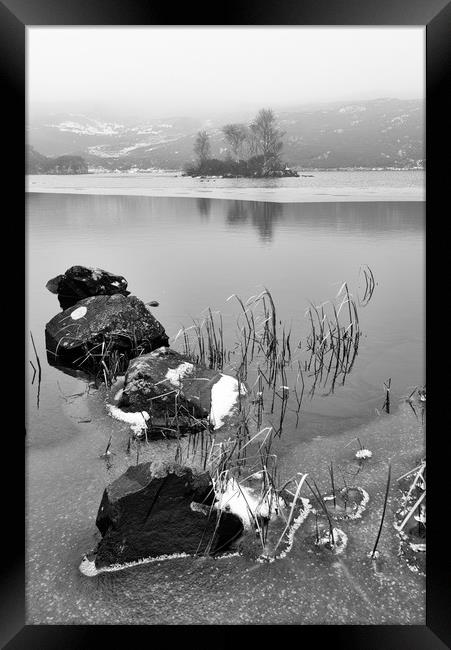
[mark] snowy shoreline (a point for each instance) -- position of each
(212, 188)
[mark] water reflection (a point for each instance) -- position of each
(337, 218)
(263, 216)
(236, 212)
(204, 207)
(62, 215)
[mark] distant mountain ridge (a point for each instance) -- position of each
(382, 133)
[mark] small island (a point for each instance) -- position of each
(253, 151)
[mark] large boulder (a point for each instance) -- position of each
(80, 282)
(87, 334)
(156, 511)
(176, 395)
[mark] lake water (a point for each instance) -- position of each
(190, 253)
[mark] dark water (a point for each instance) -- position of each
(190, 254)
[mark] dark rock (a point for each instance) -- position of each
(80, 282)
(147, 379)
(176, 393)
(148, 512)
(90, 331)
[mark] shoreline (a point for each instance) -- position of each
(276, 195)
(400, 431)
(318, 187)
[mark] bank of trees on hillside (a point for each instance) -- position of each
(252, 150)
(36, 163)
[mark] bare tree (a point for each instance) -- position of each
(202, 147)
(252, 145)
(267, 137)
(235, 135)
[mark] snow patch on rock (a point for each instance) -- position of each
(175, 375)
(244, 503)
(224, 397)
(136, 420)
(118, 395)
(78, 313)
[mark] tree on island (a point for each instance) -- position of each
(263, 141)
(236, 135)
(202, 147)
(267, 139)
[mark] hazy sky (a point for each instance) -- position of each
(186, 71)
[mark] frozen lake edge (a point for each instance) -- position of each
(326, 187)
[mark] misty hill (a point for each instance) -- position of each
(382, 133)
(36, 163)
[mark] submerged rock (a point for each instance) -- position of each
(348, 503)
(159, 511)
(80, 282)
(176, 395)
(332, 539)
(83, 335)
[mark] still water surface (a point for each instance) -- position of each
(190, 254)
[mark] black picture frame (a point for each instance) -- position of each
(435, 15)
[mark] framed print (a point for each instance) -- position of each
(225, 276)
